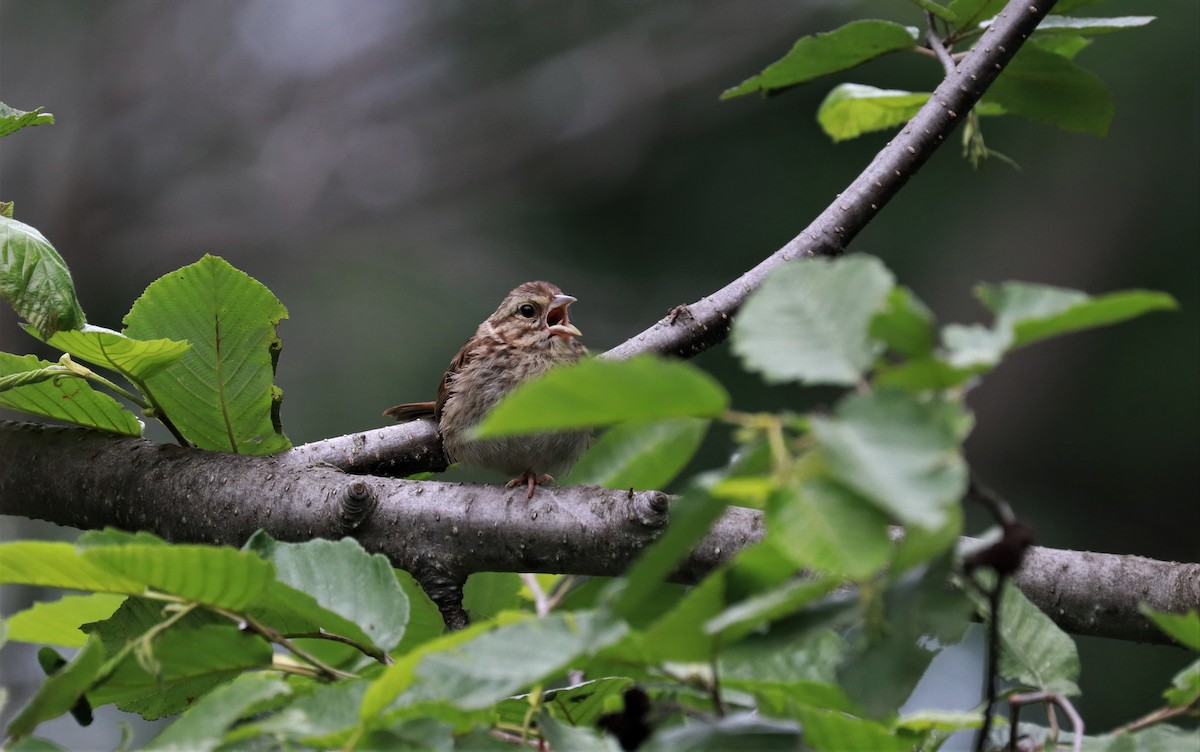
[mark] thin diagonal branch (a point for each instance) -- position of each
(694, 328)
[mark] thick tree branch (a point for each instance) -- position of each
(442, 532)
(692, 329)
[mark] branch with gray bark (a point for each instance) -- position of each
(443, 532)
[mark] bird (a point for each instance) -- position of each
(528, 334)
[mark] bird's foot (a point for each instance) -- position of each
(530, 479)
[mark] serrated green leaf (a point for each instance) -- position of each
(203, 726)
(829, 52)
(60, 691)
(900, 453)
(1033, 650)
(905, 325)
(809, 320)
(134, 359)
(486, 594)
(640, 455)
(599, 392)
(345, 579)
(1184, 628)
(190, 663)
(826, 528)
(320, 718)
(58, 622)
(12, 119)
(220, 394)
(46, 389)
(216, 576)
(1050, 89)
(59, 565)
(35, 280)
(1102, 310)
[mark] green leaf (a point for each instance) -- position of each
(203, 726)
(821, 54)
(188, 663)
(320, 718)
(1050, 89)
(905, 325)
(748, 615)
(900, 453)
(691, 517)
(60, 691)
(6, 209)
(826, 528)
(679, 635)
(133, 359)
(937, 9)
(1184, 628)
(563, 736)
(834, 729)
(12, 119)
(1185, 687)
(582, 703)
(220, 394)
(1066, 45)
(1033, 650)
(640, 455)
(809, 320)
(1089, 26)
(850, 110)
(57, 622)
(497, 663)
(486, 594)
(35, 280)
(59, 565)
(970, 12)
(1027, 313)
(599, 392)
(35, 386)
(345, 579)
(925, 374)
(216, 576)
(34, 744)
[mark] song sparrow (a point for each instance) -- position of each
(527, 336)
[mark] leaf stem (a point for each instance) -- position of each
(370, 652)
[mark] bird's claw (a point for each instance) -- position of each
(531, 479)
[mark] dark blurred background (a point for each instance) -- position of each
(391, 169)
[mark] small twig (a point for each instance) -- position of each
(1015, 702)
(993, 659)
(715, 688)
(370, 652)
(935, 44)
(561, 589)
(991, 501)
(1157, 716)
(541, 603)
(328, 672)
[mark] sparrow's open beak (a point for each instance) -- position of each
(556, 317)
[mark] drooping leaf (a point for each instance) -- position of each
(1050, 89)
(826, 528)
(12, 119)
(60, 565)
(217, 576)
(897, 451)
(203, 726)
(35, 280)
(31, 385)
(599, 392)
(1184, 628)
(820, 54)
(60, 691)
(220, 395)
(809, 321)
(58, 622)
(344, 579)
(1033, 649)
(745, 730)
(189, 663)
(134, 359)
(640, 455)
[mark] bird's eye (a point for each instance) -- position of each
(527, 310)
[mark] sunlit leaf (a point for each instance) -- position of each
(132, 358)
(31, 385)
(1033, 649)
(12, 119)
(640, 455)
(35, 280)
(57, 622)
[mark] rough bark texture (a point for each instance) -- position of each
(442, 532)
